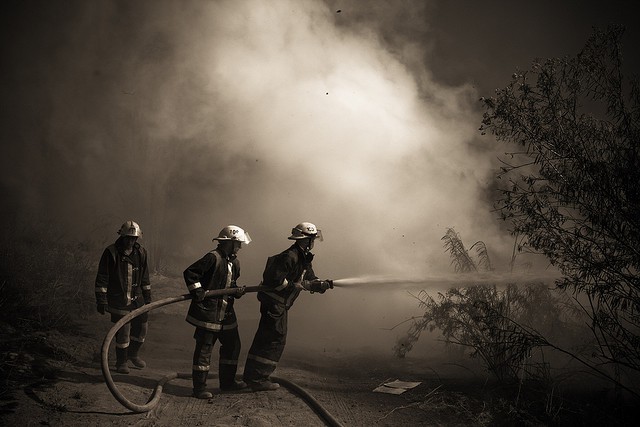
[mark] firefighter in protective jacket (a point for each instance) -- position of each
(122, 285)
(286, 274)
(214, 318)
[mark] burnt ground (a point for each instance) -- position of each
(50, 378)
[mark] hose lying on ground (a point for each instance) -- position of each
(157, 392)
(311, 401)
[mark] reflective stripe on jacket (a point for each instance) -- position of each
(213, 271)
(283, 271)
(123, 280)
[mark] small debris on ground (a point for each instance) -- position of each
(396, 387)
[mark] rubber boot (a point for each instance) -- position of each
(227, 377)
(133, 355)
(121, 361)
(234, 386)
(200, 385)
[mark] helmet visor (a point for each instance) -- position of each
(247, 238)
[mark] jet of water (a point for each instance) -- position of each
(466, 279)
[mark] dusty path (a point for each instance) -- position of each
(53, 389)
(342, 383)
(78, 396)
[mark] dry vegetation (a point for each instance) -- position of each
(532, 341)
(46, 286)
(525, 388)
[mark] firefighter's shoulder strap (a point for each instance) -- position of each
(269, 264)
(113, 251)
(143, 254)
(218, 257)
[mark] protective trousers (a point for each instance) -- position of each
(133, 333)
(268, 343)
(227, 363)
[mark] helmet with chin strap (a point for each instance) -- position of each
(305, 230)
(130, 228)
(235, 233)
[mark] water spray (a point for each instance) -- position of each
(350, 282)
(461, 279)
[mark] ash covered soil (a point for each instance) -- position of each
(53, 378)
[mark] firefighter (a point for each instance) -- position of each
(122, 285)
(214, 318)
(287, 274)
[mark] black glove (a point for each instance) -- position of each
(304, 284)
(326, 284)
(239, 292)
(198, 296)
(321, 285)
(101, 308)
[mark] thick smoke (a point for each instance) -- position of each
(188, 116)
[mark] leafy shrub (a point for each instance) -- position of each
(571, 182)
(501, 327)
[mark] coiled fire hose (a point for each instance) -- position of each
(157, 392)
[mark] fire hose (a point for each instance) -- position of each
(157, 392)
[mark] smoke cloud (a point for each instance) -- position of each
(188, 116)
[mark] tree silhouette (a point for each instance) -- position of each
(572, 182)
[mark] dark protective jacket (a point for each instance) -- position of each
(214, 270)
(123, 281)
(282, 271)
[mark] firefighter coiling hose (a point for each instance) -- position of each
(155, 396)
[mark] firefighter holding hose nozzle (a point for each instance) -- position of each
(286, 274)
(215, 318)
(123, 285)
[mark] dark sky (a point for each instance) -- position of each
(359, 116)
(483, 42)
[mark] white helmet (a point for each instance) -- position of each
(305, 230)
(233, 232)
(130, 228)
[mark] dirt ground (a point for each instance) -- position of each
(68, 389)
(78, 396)
(63, 385)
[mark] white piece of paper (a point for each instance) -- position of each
(389, 390)
(402, 384)
(396, 387)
